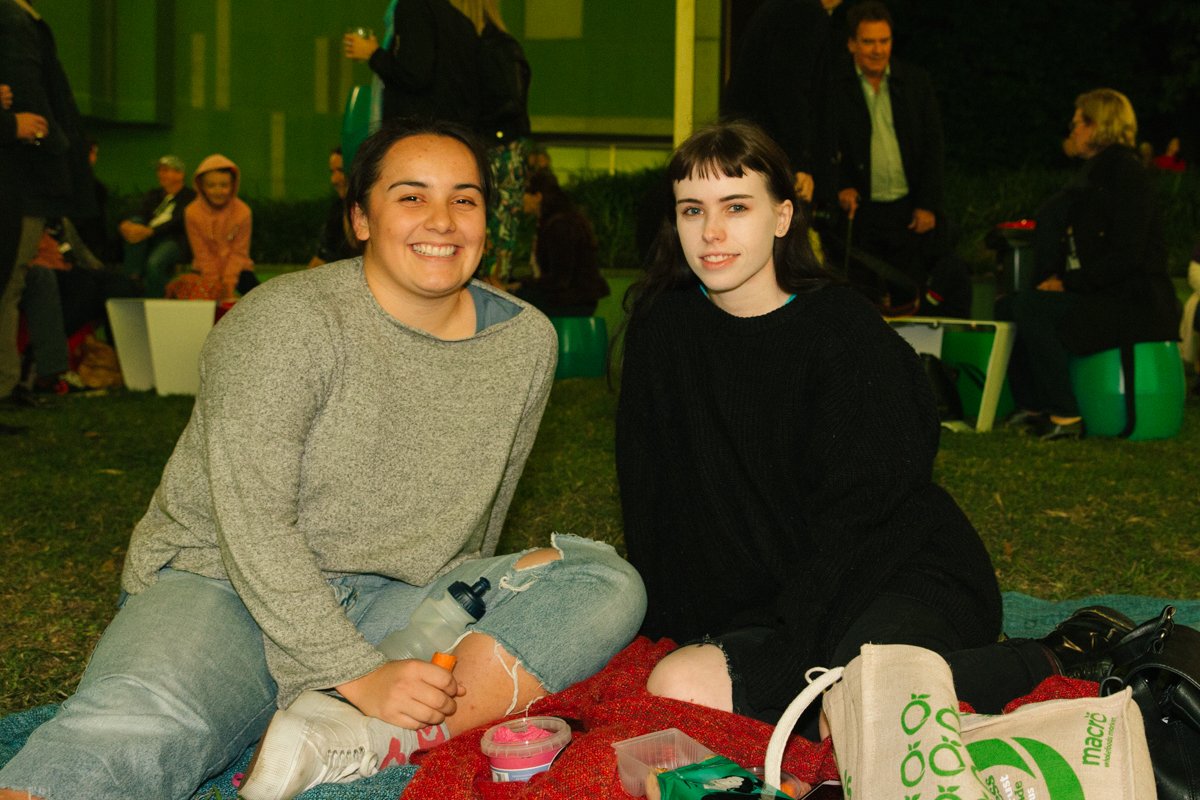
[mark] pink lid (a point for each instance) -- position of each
(526, 741)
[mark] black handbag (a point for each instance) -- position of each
(943, 382)
(1165, 679)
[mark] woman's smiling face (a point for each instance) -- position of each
(727, 229)
(425, 222)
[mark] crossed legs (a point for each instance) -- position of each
(178, 686)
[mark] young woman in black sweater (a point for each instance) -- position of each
(775, 450)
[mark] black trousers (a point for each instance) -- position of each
(10, 235)
(987, 677)
(1039, 368)
(881, 229)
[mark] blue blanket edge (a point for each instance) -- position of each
(1024, 616)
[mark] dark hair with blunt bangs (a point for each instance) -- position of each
(364, 173)
(732, 149)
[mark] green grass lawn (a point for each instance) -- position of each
(1061, 520)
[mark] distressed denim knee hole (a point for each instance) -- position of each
(516, 584)
(551, 554)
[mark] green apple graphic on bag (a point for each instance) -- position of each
(1092, 748)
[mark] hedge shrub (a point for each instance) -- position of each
(285, 231)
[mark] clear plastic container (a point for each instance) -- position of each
(528, 750)
(642, 757)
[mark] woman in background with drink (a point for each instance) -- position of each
(426, 66)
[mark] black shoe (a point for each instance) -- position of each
(1081, 643)
(12, 430)
(1054, 431)
(24, 398)
(1025, 420)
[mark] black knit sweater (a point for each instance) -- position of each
(777, 471)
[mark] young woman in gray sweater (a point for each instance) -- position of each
(354, 447)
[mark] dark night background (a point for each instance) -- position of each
(1007, 72)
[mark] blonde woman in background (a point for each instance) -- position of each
(1101, 260)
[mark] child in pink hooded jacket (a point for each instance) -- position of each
(218, 228)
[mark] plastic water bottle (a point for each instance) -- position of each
(437, 623)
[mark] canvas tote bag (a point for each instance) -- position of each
(897, 733)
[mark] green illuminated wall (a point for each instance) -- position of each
(258, 81)
(264, 82)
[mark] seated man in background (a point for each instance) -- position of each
(155, 237)
(65, 288)
(334, 245)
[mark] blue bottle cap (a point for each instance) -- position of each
(471, 597)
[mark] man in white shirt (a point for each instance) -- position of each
(890, 159)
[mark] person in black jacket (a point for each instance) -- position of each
(15, 129)
(775, 449)
(569, 283)
(890, 159)
(427, 65)
(1101, 258)
(46, 178)
(778, 80)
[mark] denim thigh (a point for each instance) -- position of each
(163, 255)
(176, 689)
(562, 620)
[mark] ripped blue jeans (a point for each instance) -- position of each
(178, 686)
(562, 620)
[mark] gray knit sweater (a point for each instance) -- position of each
(328, 439)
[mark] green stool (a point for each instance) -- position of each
(582, 346)
(967, 353)
(1155, 397)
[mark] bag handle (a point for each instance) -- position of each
(1143, 647)
(791, 715)
(1185, 700)
(1168, 670)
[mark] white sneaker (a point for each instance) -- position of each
(318, 739)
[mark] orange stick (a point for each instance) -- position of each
(444, 660)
